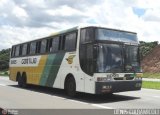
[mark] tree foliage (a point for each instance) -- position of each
(4, 59)
(146, 47)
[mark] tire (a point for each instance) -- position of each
(70, 87)
(109, 95)
(22, 81)
(19, 79)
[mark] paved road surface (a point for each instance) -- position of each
(13, 97)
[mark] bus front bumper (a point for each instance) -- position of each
(117, 86)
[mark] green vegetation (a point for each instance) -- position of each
(4, 73)
(146, 47)
(151, 75)
(151, 85)
(4, 59)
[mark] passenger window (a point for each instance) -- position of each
(24, 49)
(70, 42)
(87, 35)
(13, 51)
(62, 42)
(49, 45)
(33, 48)
(55, 44)
(28, 48)
(20, 50)
(38, 47)
(43, 46)
(17, 50)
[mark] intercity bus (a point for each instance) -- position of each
(90, 59)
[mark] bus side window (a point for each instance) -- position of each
(24, 49)
(89, 59)
(87, 35)
(62, 42)
(28, 48)
(38, 47)
(43, 46)
(55, 44)
(83, 36)
(86, 50)
(33, 47)
(70, 42)
(13, 51)
(49, 43)
(20, 50)
(17, 50)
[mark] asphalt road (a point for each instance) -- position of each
(35, 97)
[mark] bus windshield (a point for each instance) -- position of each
(132, 62)
(115, 35)
(109, 58)
(117, 58)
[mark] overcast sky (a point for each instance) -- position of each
(24, 20)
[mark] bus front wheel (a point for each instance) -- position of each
(70, 87)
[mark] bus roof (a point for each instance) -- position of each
(74, 29)
(85, 26)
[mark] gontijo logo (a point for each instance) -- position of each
(70, 59)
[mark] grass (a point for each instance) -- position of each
(4, 73)
(151, 75)
(151, 85)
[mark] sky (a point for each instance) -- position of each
(25, 20)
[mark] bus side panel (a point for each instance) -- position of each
(70, 66)
(36, 72)
(51, 69)
(33, 71)
(47, 69)
(13, 74)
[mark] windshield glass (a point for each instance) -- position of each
(117, 58)
(132, 59)
(109, 58)
(115, 35)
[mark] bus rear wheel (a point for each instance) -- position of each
(22, 81)
(70, 87)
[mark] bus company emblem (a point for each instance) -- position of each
(70, 59)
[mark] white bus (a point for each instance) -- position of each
(89, 59)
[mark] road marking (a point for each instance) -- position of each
(77, 101)
(95, 105)
(2, 85)
(101, 106)
(157, 96)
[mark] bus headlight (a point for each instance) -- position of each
(139, 75)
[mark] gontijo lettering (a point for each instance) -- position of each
(29, 61)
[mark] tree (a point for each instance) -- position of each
(146, 47)
(4, 59)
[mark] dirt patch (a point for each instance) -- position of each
(151, 63)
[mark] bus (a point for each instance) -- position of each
(89, 59)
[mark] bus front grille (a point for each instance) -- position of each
(126, 77)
